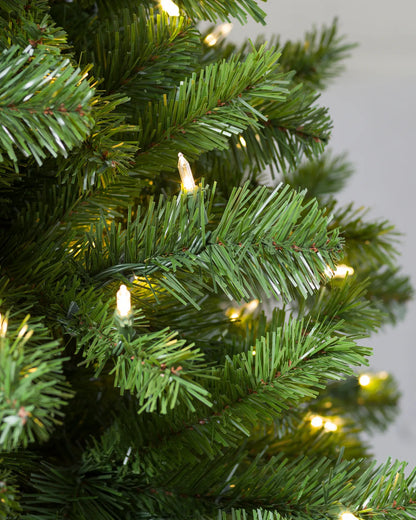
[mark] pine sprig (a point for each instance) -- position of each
(280, 371)
(157, 367)
(33, 389)
(47, 94)
(135, 53)
(266, 241)
(317, 58)
(208, 108)
(322, 177)
(212, 10)
(373, 241)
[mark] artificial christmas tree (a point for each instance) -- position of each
(183, 351)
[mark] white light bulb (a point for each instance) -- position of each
(218, 34)
(348, 516)
(341, 271)
(252, 306)
(364, 380)
(317, 421)
(330, 426)
(170, 7)
(22, 331)
(123, 301)
(185, 172)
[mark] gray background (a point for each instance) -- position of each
(373, 108)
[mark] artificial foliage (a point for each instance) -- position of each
(232, 388)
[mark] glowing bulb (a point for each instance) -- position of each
(348, 516)
(341, 271)
(170, 7)
(185, 172)
(330, 426)
(243, 141)
(253, 352)
(3, 329)
(210, 40)
(234, 316)
(232, 485)
(252, 306)
(123, 301)
(364, 380)
(22, 331)
(317, 421)
(218, 34)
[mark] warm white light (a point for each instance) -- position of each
(123, 301)
(317, 421)
(364, 380)
(3, 329)
(383, 374)
(253, 352)
(330, 426)
(218, 34)
(243, 141)
(210, 40)
(170, 7)
(234, 316)
(252, 306)
(348, 516)
(341, 271)
(188, 183)
(22, 331)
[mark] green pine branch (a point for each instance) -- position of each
(370, 243)
(145, 55)
(157, 367)
(207, 109)
(389, 291)
(322, 177)
(44, 105)
(317, 58)
(265, 242)
(289, 365)
(24, 24)
(33, 389)
(225, 10)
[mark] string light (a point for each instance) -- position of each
(341, 271)
(364, 380)
(123, 301)
(188, 183)
(253, 352)
(3, 326)
(330, 426)
(22, 331)
(243, 141)
(348, 516)
(252, 306)
(170, 7)
(218, 34)
(317, 421)
(249, 307)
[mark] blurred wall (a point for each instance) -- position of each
(373, 106)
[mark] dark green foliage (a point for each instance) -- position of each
(32, 390)
(198, 403)
(46, 94)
